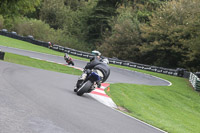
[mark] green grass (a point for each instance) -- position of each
(27, 61)
(173, 108)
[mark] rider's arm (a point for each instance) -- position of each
(89, 66)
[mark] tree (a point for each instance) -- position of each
(74, 4)
(54, 12)
(125, 40)
(11, 8)
(99, 20)
(171, 34)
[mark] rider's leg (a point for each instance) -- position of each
(101, 76)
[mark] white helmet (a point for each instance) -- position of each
(105, 60)
(96, 53)
(66, 55)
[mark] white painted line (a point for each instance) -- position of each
(140, 120)
(150, 75)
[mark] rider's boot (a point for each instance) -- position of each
(75, 89)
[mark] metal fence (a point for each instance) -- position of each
(195, 81)
(174, 72)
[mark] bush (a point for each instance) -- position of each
(172, 37)
(1, 22)
(38, 29)
(42, 31)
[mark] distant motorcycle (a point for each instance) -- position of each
(68, 60)
(88, 84)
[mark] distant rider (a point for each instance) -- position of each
(68, 59)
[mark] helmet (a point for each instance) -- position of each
(49, 43)
(105, 60)
(66, 55)
(96, 53)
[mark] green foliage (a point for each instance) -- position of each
(143, 9)
(99, 19)
(1, 22)
(69, 16)
(38, 29)
(35, 14)
(75, 4)
(171, 31)
(12, 8)
(54, 13)
(42, 31)
(76, 22)
(125, 39)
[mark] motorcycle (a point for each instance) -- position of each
(68, 60)
(88, 84)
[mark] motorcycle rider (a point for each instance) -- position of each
(96, 54)
(50, 45)
(68, 59)
(100, 66)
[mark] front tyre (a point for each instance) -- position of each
(84, 88)
(72, 63)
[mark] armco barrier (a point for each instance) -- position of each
(147, 67)
(195, 81)
(174, 72)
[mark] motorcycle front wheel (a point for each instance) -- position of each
(84, 88)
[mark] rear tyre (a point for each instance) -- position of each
(84, 88)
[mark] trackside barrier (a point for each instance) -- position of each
(2, 55)
(174, 72)
(195, 81)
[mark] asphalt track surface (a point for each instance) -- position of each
(117, 75)
(39, 101)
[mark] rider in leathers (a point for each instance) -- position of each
(98, 65)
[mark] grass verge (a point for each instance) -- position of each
(27, 61)
(173, 108)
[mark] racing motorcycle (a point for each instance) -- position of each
(68, 60)
(87, 84)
